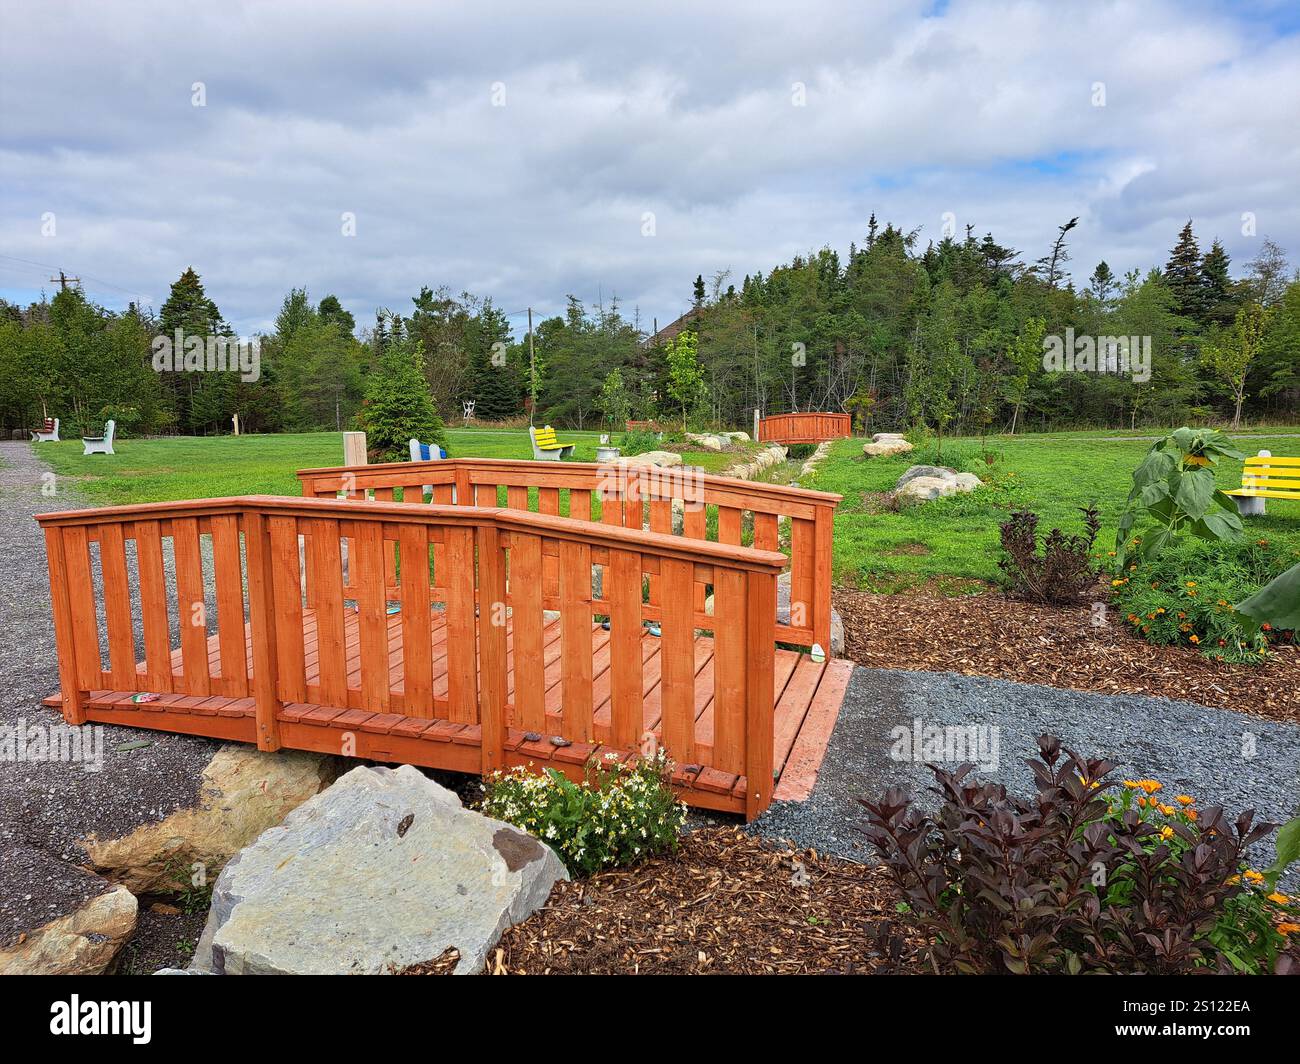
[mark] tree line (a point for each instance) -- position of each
(950, 336)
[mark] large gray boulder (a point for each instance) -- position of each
(382, 870)
(925, 482)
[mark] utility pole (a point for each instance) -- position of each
(63, 280)
(532, 369)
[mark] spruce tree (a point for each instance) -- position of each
(1217, 286)
(1183, 275)
(397, 406)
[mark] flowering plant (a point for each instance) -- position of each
(622, 811)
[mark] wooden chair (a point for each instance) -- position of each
(1265, 477)
(546, 448)
(48, 432)
(100, 444)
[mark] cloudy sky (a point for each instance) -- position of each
(530, 150)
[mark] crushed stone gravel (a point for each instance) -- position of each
(1215, 755)
(47, 807)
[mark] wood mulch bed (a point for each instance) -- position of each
(993, 635)
(725, 903)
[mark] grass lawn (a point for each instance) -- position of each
(190, 467)
(951, 544)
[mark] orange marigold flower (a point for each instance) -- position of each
(1184, 799)
(1287, 929)
(1193, 638)
(1254, 877)
(1166, 832)
(1278, 897)
(1151, 786)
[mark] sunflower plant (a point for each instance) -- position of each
(1175, 495)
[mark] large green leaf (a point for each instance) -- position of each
(1195, 491)
(1277, 603)
(1288, 851)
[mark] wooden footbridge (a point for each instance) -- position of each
(466, 614)
(808, 427)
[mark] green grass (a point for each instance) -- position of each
(951, 544)
(189, 467)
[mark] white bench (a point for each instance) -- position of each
(100, 444)
(47, 433)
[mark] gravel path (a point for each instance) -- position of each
(46, 807)
(1191, 749)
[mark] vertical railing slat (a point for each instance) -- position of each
(729, 646)
(291, 670)
(623, 589)
(417, 650)
(372, 619)
(526, 625)
(802, 563)
(462, 693)
(191, 609)
(153, 606)
(575, 639)
(331, 637)
(230, 605)
(73, 698)
(117, 608)
(677, 660)
(492, 649)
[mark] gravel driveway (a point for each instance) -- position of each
(46, 807)
(1216, 755)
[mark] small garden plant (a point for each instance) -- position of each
(1064, 570)
(623, 810)
(1186, 597)
(1089, 875)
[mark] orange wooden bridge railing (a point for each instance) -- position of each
(804, 428)
(465, 675)
(681, 501)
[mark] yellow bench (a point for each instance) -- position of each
(1265, 477)
(546, 448)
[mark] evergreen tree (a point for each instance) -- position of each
(397, 406)
(1184, 277)
(1218, 290)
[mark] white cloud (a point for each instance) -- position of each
(385, 110)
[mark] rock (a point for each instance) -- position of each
(930, 482)
(82, 943)
(709, 443)
(924, 489)
(654, 458)
(878, 436)
(943, 472)
(242, 792)
(886, 448)
(337, 889)
(180, 971)
(738, 437)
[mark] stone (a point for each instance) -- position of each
(242, 792)
(738, 437)
(886, 448)
(943, 472)
(924, 483)
(878, 436)
(654, 458)
(83, 942)
(709, 443)
(337, 889)
(924, 489)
